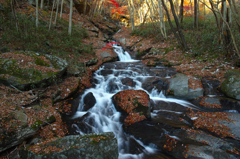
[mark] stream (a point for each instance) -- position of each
(143, 140)
(103, 117)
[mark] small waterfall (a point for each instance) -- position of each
(106, 117)
(123, 55)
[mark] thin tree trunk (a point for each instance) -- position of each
(145, 17)
(131, 15)
(37, 13)
(195, 13)
(181, 11)
(170, 23)
(184, 44)
(14, 14)
(55, 22)
(162, 25)
(61, 8)
(85, 7)
(70, 18)
(51, 15)
(42, 1)
(233, 39)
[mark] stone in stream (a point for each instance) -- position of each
(80, 125)
(128, 82)
(211, 86)
(231, 86)
(112, 87)
(179, 87)
(89, 101)
(101, 146)
(218, 104)
(151, 83)
(134, 104)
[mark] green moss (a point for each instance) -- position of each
(36, 124)
(41, 62)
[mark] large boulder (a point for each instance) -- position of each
(101, 146)
(28, 70)
(231, 86)
(182, 86)
(134, 104)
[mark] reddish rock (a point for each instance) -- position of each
(135, 104)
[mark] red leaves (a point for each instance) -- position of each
(170, 144)
(109, 45)
(128, 100)
(210, 121)
(114, 3)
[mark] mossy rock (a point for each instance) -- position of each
(28, 70)
(101, 146)
(231, 72)
(231, 86)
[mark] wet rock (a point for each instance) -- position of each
(112, 87)
(179, 87)
(135, 147)
(128, 82)
(106, 72)
(103, 145)
(134, 104)
(211, 86)
(25, 75)
(171, 118)
(231, 86)
(170, 106)
(80, 125)
(202, 145)
(89, 101)
(233, 124)
(161, 85)
(155, 132)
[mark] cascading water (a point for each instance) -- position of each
(104, 114)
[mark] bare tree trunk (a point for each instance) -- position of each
(55, 22)
(195, 13)
(145, 17)
(41, 6)
(85, 6)
(230, 31)
(172, 28)
(181, 11)
(183, 42)
(14, 14)
(61, 8)
(131, 14)
(51, 15)
(162, 24)
(70, 18)
(37, 13)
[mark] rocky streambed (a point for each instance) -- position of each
(155, 113)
